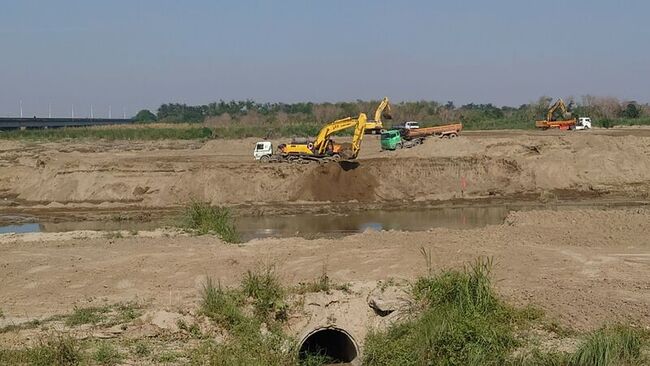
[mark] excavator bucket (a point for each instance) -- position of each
(386, 115)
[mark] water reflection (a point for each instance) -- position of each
(332, 225)
(21, 228)
(307, 225)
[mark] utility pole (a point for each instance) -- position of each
(124, 113)
(49, 110)
(73, 111)
(91, 112)
(109, 111)
(21, 108)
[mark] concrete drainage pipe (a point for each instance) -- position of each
(335, 343)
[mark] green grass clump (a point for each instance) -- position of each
(609, 123)
(203, 219)
(463, 323)
(247, 344)
(167, 357)
(222, 305)
(617, 345)
(141, 349)
(91, 315)
(193, 329)
(254, 349)
(536, 357)
(608, 346)
(35, 323)
(143, 133)
(299, 129)
(107, 354)
(264, 288)
(55, 350)
(321, 284)
(469, 291)
(127, 312)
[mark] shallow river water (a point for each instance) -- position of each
(313, 225)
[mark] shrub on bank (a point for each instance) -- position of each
(53, 350)
(464, 323)
(117, 133)
(203, 219)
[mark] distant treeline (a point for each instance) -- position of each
(605, 111)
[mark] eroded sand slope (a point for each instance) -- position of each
(163, 174)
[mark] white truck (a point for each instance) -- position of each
(583, 123)
(411, 125)
(263, 151)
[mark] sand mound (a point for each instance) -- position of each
(163, 174)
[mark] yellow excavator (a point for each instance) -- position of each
(376, 125)
(322, 148)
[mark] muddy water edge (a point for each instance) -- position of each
(307, 222)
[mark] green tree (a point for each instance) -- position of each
(632, 111)
(145, 115)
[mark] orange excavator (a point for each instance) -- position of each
(564, 123)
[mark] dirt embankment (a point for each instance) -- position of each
(163, 174)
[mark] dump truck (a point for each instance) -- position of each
(400, 138)
(582, 123)
(321, 149)
(565, 122)
(392, 140)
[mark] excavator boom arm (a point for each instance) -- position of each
(359, 124)
(359, 131)
(320, 143)
(558, 105)
(380, 109)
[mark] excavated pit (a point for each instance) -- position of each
(337, 182)
(334, 343)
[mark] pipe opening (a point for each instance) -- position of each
(334, 345)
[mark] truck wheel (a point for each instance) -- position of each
(452, 135)
(400, 145)
(265, 159)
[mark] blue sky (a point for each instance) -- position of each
(134, 54)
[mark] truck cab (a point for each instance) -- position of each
(411, 125)
(583, 123)
(263, 150)
(390, 139)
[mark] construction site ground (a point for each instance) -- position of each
(584, 266)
